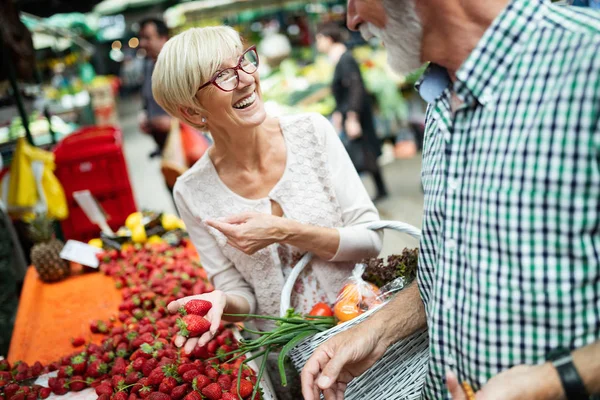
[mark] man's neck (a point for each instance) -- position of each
(452, 29)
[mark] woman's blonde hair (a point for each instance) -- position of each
(188, 60)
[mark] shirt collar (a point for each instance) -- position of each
(486, 66)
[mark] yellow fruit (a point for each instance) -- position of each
(126, 246)
(96, 243)
(133, 220)
(138, 234)
(170, 222)
(154, 239)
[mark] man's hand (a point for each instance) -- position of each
(251, 232)
(343, 357)
(353, 128)
(218, 300)
(521, 382)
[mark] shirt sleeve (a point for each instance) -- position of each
(356, 241)
(220, 270)
(352, 80)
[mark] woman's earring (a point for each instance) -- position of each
(203, 120)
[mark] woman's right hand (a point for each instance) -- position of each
(218, 300)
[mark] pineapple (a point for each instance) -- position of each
(45, 253)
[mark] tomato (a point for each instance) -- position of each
(345, 311)
(321, 310)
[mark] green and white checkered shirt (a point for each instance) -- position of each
(510, 254)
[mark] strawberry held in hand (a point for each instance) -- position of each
(196, 307)
(193, 325)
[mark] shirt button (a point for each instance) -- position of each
(448, 304)
(451, 244)
(452, 184)
(451, 360)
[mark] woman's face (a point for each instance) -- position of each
(241, 107)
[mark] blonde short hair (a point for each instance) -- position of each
(186, 61)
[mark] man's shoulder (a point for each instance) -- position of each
(574, 21)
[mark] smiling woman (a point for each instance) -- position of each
(268, 190)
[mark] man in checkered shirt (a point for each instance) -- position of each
(509, 266)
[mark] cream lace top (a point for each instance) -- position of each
(319, 186)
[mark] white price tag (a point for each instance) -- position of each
(81, 253)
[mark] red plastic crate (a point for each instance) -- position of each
(92, 159)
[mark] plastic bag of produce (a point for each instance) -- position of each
(356, 297)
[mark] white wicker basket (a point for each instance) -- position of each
(399, 374)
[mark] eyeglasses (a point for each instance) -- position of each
(228, 79)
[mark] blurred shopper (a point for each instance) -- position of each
(509, 261)
(353, 115)
(268, 190)
(155, 121)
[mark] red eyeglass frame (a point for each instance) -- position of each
(235, 70)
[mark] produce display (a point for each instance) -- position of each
(137, 357)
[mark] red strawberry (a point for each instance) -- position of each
(98, 326)
(104, 397)
(224, 381)
(212, 373)
(61, 387)
(132, 378)
(138, 364)
(192, 325)
(229, 396)
(193, 395)
(159, 396)
(96, 369)
(132, 397)
(117, 381)
(200, 382)
(12, 388)
(213, 391)
(149, 365)
(44, 393)
(167, 385)
(4, 365)
(119, 367)
(119, 396)
(183, 368)
(156, 376)
(104, 388)
(246, 388)
(19, 396)
(196, 307)
(189, 376)
(79, 364)
(78, 341)
(65, 372)
(37, 369)
(179, 391)
(201, 352)
(212, 347)
(77, 384)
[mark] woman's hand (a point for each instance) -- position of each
(219, 302)
(251, 232)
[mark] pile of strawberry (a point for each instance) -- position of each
(137, 359)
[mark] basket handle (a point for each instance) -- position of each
(286, 293)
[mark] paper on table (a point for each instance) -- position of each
(81, 253)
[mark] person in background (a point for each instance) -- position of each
(353, 115)
(509, 260)
(155, 121)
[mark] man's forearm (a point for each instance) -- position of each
(587, 362)
(402, 316)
